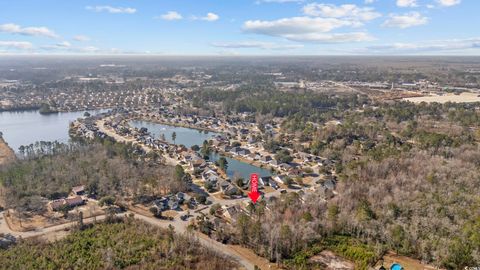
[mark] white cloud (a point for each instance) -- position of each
(257, 45)
(88, 49)
(110, 9)
(348, 11)
(407, 3)
(28, 31)
(433, 46)
(64, 44)
(332, 37)
(210, 17)
(279, 1)
(405, 20)
(307, 29)
(81, 38)
(295, 25)
(21, 45)
(449, 3)
(171, 16)
(369, 1)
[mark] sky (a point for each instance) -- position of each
(240, 27)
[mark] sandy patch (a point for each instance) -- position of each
(331, 261)
(462, 98)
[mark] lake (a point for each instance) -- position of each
(26, 127)
(190, 136)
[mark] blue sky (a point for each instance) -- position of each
(240, 27)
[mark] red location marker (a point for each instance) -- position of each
(254, 188)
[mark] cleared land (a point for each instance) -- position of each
(462, 98)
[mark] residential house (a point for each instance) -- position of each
(231, 212)
(78, 190)
(266, 159)
(68, 202)
(281, 179)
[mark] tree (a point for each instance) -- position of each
(209, 186)
(223, 164)
(156, 212)
(80, 220)
(283, 156)
(174, 137)
(195, 147)
(108, 200)
(215, 208)
(202, 199)
(179, 172)
(205, 150)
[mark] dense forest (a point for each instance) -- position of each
(408, 180)
(419, 204)
(115, 244)
(50, 170)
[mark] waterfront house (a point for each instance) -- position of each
(264, 180)
(266, 159)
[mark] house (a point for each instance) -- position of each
(285, 166)
(173, 204)
(161, 204)
(231, 212)
(274, 162)
(235, 150)
(244, 152)
(266, 159)
(281, 179)
(225, 148)
(68, 202)
(198, 164)
(295, 172)
(223, 185)
(56, 204)
(78, 190)
(264, 180)
(231, 190)
(75, 201)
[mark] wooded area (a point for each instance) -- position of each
(50, 170)
(117, 244)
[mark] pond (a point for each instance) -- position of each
(190, 136)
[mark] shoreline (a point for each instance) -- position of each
(217, 150)
(156, 121)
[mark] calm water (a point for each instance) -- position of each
(243, 169)
(185, 136)
(189, 137)
(26, 127)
